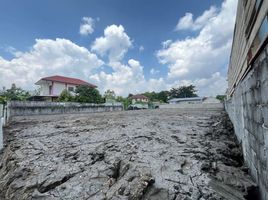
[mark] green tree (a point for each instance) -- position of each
(221, 97)
(151, 95)
(154, 96)
(86, 94)
(66, 96)
(3, 99)
(125, 101)
(110, 96)
(163, 96)
(14, 94)
(183, 92)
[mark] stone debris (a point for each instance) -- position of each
(156, 155)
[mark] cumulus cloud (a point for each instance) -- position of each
(187, 22)
(202, 58)
(154, 71)
(87, 26)
(47, 57)
(127, 78)
(211, 86)
(197, 60)
(115, 43)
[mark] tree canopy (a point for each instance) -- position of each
(157, 96)
(125, 101)
(183, 92)
(66, 96)
(221, 97)
(14, 93)
(86, 94)
(109, 94)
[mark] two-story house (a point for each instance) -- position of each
(51, 87)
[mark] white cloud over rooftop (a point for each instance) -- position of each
(199, 60)
(48, 57)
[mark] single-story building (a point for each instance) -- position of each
(51, 87)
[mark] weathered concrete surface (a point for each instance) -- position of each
(153, 154)
(204, 106)
(248, 110)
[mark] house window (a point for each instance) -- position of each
(71, 89)
(50, 90)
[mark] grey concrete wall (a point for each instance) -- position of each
(248, 110)
(206, 106)
(27, 108)
(1, 125)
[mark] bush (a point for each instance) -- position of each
(86, 94)
(66, 96)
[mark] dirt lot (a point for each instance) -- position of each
(153, 154)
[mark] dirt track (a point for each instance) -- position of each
(161, 154)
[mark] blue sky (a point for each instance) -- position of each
(43, 38)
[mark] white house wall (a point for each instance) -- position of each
(56, 90)
(44, 90)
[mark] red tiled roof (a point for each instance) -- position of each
(138, 96)
(63, 79)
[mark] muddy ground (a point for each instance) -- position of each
(153, 154)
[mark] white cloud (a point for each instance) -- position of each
(166, 43)
(87, 26)
(198, 60)
(202, 58)
(47, 57)
(154, 71)
(141, 48)
(211, 86)
(127, 79)
(115, 43)
(13, 51)
(187, 21)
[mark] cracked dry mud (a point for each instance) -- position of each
(152, 154)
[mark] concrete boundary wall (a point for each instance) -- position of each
(1, 125)
(27, 108)
(206, 106)
(248, 110)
